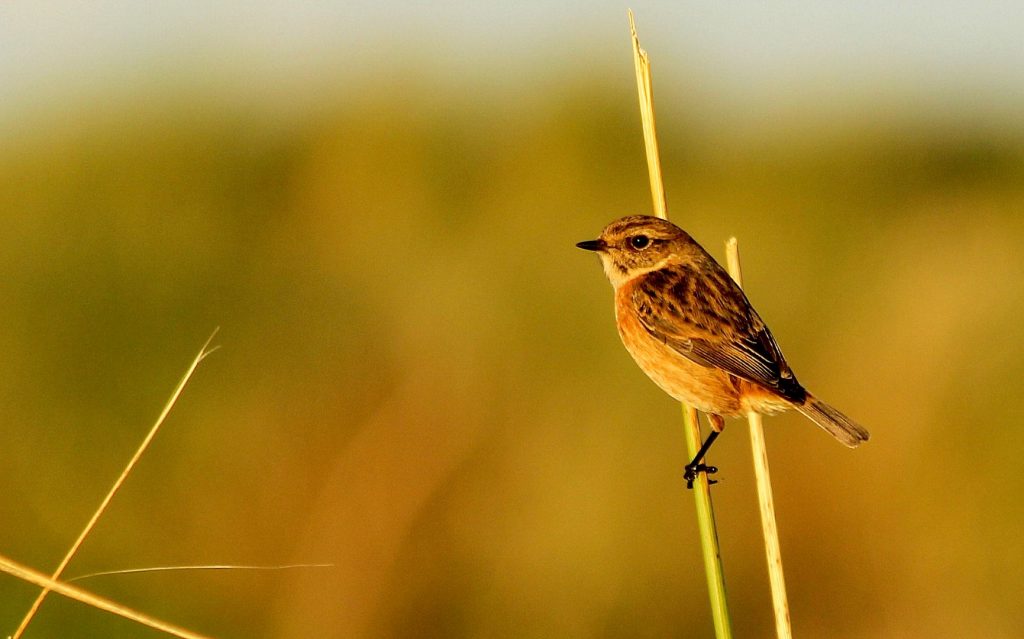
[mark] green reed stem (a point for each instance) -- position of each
(708, 531)
(701, 488)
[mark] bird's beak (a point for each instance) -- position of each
(591, 245)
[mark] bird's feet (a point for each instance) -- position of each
(693, 468)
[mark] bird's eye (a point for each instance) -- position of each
(639, 242)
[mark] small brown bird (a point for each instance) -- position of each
(690, 327)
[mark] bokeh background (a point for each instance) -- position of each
(419, 379)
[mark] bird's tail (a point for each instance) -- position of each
(835, 423)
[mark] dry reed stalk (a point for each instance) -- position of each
(645, 91)
(691, 424)
(772, 550)
(73, 592)
(203, 352)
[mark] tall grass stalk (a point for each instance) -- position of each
(772, 550)
(645, 91)
(701, 488)
(710, 551)
(203, 352)
(25, 573)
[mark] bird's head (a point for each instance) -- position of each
(638, 244)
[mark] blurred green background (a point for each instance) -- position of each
(420, 380)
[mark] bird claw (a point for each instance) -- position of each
(691, 473)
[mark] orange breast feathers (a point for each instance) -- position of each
(710, 390)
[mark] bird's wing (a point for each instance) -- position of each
(704, 316)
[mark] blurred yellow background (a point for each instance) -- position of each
(420, 380)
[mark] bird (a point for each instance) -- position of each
(692, 330)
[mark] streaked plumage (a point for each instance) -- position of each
(690, 327)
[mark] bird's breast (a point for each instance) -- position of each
(708, 389)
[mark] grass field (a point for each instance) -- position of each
(420, 380)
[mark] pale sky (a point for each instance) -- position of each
(742, 49)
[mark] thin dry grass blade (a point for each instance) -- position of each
(203, 352)
(149, 569)
(772, 549)
(73, 592)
